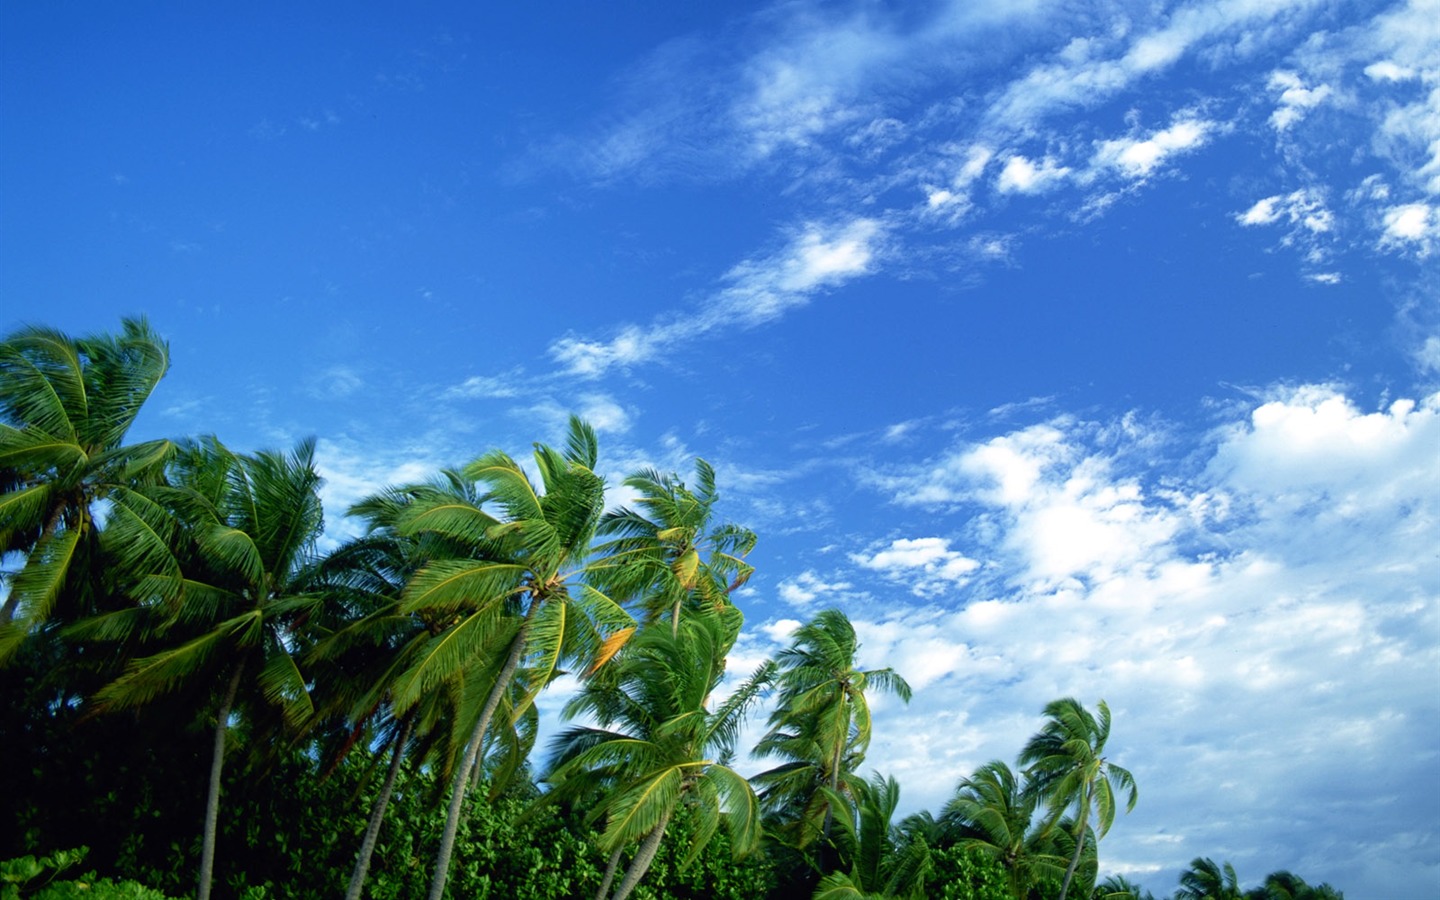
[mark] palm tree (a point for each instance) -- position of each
(993, 813)
(366, 644)
(667, 551)
(1285, 885)
(821, 726)
(1205, 880)
(239, 607)
(1067, 761)
(519, 596)
(657, 744)
(879, 861)
(1118, 887)
(66, 405)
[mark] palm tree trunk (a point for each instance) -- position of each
(1084, 815)
(212, 800)
(643, 857)
(472, 753)
(372, 831)
(609, 873)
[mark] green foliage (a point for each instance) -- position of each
(29, 877)
(961, 874)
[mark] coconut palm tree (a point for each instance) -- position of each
(658, 744)
(821, 726)
(667, 551)
(879, 860)
(1205, 880)
(1067, 763)
(241, 599)
(66, 406)
(993, 812)
(365, 641)
(520, 595)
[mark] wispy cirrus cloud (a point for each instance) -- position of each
(815, 259)
(817, 93)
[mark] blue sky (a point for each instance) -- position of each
(1077, 348)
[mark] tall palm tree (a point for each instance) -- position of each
(66, 406)
(520, 596)
(1066, 760)
(241, 599)
(668, 552)
(821, 725)
(657, 743)
(365, 643)
(993, 812)
(1205, 880)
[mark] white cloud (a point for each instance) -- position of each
(1295, 99)
(817, 258)
(927, 565)
(484, 386)
(1305, 209)
(1139, 157)
(335, 382)
(1415, 225)
(807, 587)
(1020, 175)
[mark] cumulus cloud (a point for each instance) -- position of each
(1023, 176)
(927, 565)
(807, 587)
(1411, 226)
(1238, 621)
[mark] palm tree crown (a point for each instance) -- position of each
(1067, 762)
(821, 725)
(66, 405)
(659, 744)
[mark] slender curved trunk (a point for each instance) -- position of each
(372, 831)
(609, 873)
(212, 800)
(1084, 815)
(472, 753)
(675, 618)
(643, 857)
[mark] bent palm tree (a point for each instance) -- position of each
(821, 725)
(879, 861)
(993, 813)
(1067, 761)
(521, 595)
(658, 744)
(66, 405)
(667, 551)
(254, 520)
(1205, 880)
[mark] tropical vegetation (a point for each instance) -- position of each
(215, 706)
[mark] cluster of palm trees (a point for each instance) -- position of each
(184, 568)
(187, 567)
